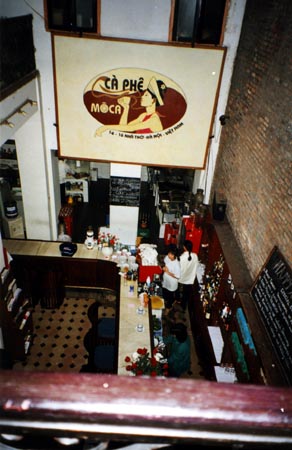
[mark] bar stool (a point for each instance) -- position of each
(106, 328)
(104, 357)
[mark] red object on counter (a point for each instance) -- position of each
(66, 215)
(145, 271)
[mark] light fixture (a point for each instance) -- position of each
(223, 119)
(7, 123)
(19, 110)
(22, 112)
(32, 102)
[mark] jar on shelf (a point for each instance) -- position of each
(198, 198)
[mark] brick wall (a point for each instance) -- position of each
(254, 165)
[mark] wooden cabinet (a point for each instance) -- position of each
(44, 279)
(227, 329)
(90, 273)
(15, 320)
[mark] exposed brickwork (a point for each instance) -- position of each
(254, 165)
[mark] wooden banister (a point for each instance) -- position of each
(140, 409)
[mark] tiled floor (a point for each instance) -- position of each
(175, 315)
(59, 333)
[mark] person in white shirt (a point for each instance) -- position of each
(188, 265)
(171, 274)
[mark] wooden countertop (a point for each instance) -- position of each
(48, 248)
(129, 338)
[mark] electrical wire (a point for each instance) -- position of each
(34, 10)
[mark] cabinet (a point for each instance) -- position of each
(13, 228)
(228, 332)
(15, 320)
(44, 279)
(77, 188)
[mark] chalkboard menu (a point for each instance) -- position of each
(272, 293)
(125, 191)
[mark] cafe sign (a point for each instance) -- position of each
(135, 103)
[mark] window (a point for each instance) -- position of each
(17, 53)
(198, 21)
(72, 15)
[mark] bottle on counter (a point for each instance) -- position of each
(89, 241)
(208, 311)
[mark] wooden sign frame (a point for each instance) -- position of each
(93, 75)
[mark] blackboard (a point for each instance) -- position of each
(272, 293)
(125, 191)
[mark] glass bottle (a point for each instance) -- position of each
(198, 198)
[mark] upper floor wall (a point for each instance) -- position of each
(114, 16)
(254, 168)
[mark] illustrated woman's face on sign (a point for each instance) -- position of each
(147, 99)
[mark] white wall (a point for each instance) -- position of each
(139, 19)
(42, 210)
(136, 19)
(203, 178)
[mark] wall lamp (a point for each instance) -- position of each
(20, 110)
(223, 119)
(7, 123)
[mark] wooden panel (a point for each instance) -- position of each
(77, 272)
(110, 407)
(272, 294)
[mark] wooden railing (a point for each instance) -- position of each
(137, 409)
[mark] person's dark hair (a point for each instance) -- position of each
(189, 246)
(172, 248)
(180, 332)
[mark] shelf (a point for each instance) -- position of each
(246, 345)
(82, 187)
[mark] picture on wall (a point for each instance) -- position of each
(135, 103)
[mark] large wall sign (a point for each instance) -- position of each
(272, 293)
(135, 103)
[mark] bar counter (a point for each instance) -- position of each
(48, 248)
(49, 253)
(129, 338)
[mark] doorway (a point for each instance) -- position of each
(11, 204)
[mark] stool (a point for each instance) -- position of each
(104, 358)
(106, 328)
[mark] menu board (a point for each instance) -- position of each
(125, 191)
(272, 293)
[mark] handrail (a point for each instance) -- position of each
(140, 409)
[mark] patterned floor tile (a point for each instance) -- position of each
(59, 333)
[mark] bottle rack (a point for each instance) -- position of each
(16, 318)
(211, 286)
(221, 303)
